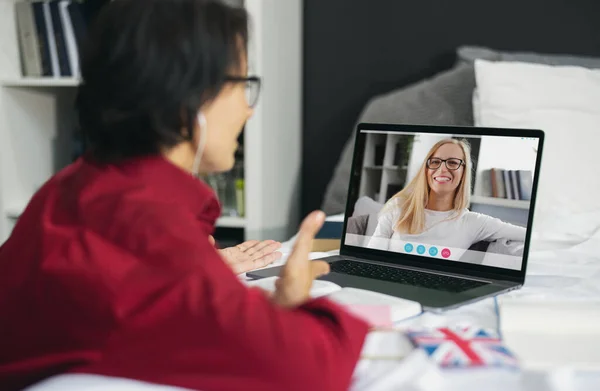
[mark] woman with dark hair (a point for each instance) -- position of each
(112, 270)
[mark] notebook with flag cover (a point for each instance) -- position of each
(463, 346)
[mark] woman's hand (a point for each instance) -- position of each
(250, 255)
(293, 286)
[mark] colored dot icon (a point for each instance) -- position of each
(420, 249)
(446, 253)
(433, 251)
(408, 247)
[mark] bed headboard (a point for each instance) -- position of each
(356, 49)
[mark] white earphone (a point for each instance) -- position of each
(201, 142)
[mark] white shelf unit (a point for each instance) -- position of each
(37, 117)
(384, 165)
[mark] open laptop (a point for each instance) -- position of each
(456, 258)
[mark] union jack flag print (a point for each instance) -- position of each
(463, 346)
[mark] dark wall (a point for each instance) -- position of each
(355, 49)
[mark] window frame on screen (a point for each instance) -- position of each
(419, 261)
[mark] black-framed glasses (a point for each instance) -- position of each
(452, 164)
(252, 87)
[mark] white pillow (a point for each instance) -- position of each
(564, 102)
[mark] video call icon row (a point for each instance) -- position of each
(433, 250)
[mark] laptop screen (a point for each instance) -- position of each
(453, 197)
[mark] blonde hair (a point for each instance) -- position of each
(414, 197)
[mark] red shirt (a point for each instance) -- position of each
(109, 271)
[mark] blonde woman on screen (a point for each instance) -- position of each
(432, 208)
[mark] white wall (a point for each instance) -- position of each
(273, 135)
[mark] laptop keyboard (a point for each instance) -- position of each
(404, 276)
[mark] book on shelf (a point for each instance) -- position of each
(50, 33)
(507, 184)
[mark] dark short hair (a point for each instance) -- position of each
(147, 66)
